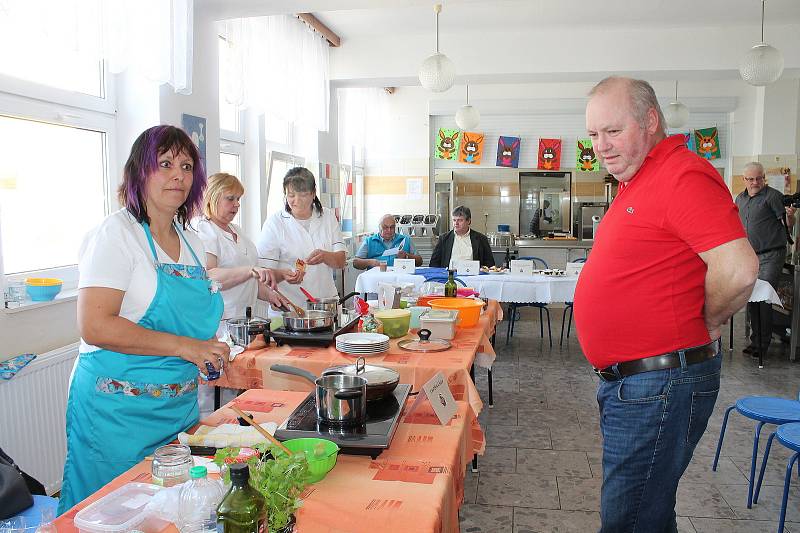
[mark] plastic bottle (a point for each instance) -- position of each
(244, 509)
(199, 499)
(450, 288)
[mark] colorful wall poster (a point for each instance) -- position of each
(688, 139)
(508, 152)
(471, 148)
(707, 143)
(585, 160)
(447, 144)
(195, 128)
(549, 154)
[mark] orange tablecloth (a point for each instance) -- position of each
(417, 484)
(251, 368)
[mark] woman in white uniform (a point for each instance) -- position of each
(304, 231)
(231, 257)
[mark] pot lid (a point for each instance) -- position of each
(374, 374)
(419, 345)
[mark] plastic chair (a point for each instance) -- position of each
(568, 307)
(513, 313)
(789, 436)
(764, 410)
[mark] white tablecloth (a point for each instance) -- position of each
(763, 292)
(501, 287)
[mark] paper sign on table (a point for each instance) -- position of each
(407, 266)
(468, 268)
(521, 266)
(574, 269)
(438, 392)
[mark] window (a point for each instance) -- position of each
(229, 112)
(55, 41)
(279, 164)
(52, 191)
(231, 164)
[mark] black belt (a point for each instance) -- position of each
(658, 362)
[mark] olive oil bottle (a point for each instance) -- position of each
(243, 509)
(450, 288)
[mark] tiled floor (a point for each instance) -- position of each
(542, 467)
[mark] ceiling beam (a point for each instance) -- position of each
(322, 29)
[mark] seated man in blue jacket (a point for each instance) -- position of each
(371, 251)
(462, 243)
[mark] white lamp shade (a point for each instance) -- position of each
(676, 114)
(437, 73)
(762, 65)
(467, 117)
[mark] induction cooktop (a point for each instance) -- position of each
(322, 338)
(372, 438)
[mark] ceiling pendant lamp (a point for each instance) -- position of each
(437, 73)
(676, 114)
(467, 116)
(763, 64)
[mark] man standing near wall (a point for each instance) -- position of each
(764, 219)
(670, 264)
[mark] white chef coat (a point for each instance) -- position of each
(116, 255)
(462, 249)
(283, 240)
(231, 253)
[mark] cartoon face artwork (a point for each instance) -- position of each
(707, 144)
(549, 154)
(471, 148)
(586, 161)
(508, 152)
(447, 144)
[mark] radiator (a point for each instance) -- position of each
(32, 415)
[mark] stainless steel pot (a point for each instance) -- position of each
(243, 331)
(381, 381)
(342, 399)
(311, 321)
(329, 304)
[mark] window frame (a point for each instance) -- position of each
(26, 100)
(272, 156)
(230, 147)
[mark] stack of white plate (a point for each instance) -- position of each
(363, 344)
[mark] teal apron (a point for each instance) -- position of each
(122, 407)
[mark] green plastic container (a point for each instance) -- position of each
(320, 453)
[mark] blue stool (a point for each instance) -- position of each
(568, 306)
(764, 410)
(789, 436)
(513, 312)
(33, 514)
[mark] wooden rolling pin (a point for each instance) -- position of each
(261, 430)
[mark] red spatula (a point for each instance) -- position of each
(308, 295)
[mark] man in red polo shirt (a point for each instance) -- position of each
(670, 264)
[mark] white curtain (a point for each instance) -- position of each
(363, 115)
(153, 37)
(279, 66)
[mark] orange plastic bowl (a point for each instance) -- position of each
(425, 301)
(469, 309)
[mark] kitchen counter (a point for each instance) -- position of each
(556, 253)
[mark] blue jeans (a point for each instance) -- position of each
(651, 423)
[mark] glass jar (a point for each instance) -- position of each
(171, 464)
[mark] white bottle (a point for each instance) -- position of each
(197, 508)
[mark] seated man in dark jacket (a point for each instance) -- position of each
(462, 243)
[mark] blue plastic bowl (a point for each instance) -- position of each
(504, 227)
(43, 289)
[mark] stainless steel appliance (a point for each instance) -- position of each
(545, 202)
(587, 216)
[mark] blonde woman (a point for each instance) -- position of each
(231, 257)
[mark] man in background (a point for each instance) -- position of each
(765, 220)
(462, 243)
(373, 249)
(670, 264)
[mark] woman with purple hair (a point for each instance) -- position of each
(147, 313)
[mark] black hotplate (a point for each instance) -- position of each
(322, 338)
(372, 438)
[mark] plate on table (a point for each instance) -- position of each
(362, 338)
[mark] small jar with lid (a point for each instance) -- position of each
(171, 465)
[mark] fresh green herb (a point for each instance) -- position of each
(278, 477)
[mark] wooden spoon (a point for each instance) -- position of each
(299, 311)
(261, 430)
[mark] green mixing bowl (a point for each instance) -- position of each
(320, 453)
